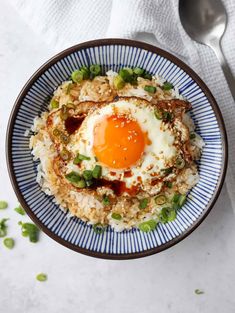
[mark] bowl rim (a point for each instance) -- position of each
(173, 59)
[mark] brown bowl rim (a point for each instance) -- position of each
(148, 47)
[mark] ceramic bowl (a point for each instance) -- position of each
(74, 233)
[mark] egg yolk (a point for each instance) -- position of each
(118, 141)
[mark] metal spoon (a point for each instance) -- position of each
(205, 21)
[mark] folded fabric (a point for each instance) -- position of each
(65, 23)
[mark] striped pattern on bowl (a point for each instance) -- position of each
(74, 233)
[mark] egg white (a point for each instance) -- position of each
(157, 156)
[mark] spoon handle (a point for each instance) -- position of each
(227, 72)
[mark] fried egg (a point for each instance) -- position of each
(127, 140)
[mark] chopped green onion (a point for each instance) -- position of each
(64, 138)
(106, 200)
(179, 199)
(68, 88)
(3, 205)
(54, 104)
(198, 292)
(147, 76)
(138, 71)
(167, 214)
(97, 171)
(150, 89)
(180, 163)
(130, 70)
(56, 132)
(160, 200)
(3, 227)
(167, 116)
(182, 200)
(87, 175)
(168, 184)
(85, 71)
(143, 203)
(79, 158)
(158, 114)
(95, 70)
(29, 230)
(41, 277)
(64, 154)
(152, 224)
(70, 105)
(116, 216)
(175, 206)
(192, 136)
(171, 215)
(89, 183)
(167, 170)
(163, 216)
(9, 243)
(167, 86)
(64, 112)
(134, 80)
(118, 82)
(24, 233)
(98, 228)
(73, 177)
(126, 74)
(77, 76)
(20, 210)
(175, 198)
(76, 180)
(83, 157)
(81, 183)
(147, 226)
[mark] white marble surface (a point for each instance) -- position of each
(77, 283)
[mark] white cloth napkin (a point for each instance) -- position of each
(65, 23)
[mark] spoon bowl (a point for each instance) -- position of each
(205, 21)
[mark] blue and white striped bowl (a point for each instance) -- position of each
(72, 232)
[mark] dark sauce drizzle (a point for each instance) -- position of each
(73, 123)
(118, 187)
